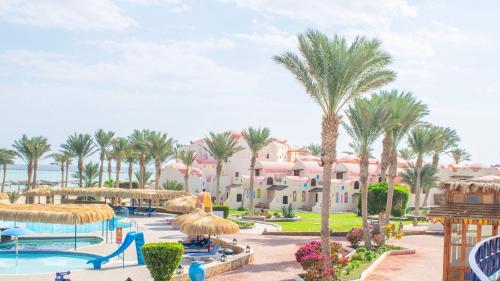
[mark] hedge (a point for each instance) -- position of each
(377, 198)
(221, 208)
(162, 259)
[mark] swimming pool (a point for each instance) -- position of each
(64, 228)
(50, 243)
(43, 262)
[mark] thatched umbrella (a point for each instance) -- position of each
(188, 217)
(4, 196)
(480, 184)
(183, 204)
(39, 191)
(150, 194)
(210, 225)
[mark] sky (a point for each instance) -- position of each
(189, 67)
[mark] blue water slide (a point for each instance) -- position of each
(132, 236)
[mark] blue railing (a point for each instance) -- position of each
(484, 260)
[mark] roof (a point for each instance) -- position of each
(466, 211)
(277, 187)
(316, 189)
(274, 167)
(181, 167)
(485, 183)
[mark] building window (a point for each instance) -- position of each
(340, 175)
(257, 172)
(259, 193)
(237, 174)
(267, 156)
(337, 197)
(356, 185)
(285, 199)
(238, 197)
(313, 182)
(269, 181)
(303, 196)
(346, 197)
(296, 173)
(294, 196)
(316, 198)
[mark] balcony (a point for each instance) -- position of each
(484, 260)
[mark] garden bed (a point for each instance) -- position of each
(244, 224)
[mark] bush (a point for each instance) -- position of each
(225, 209)
(126, 185)
(355, 236)
(314, 248)
(241, 209)
(379, 239)
(287, 211)
(377, 198)
(162, 258)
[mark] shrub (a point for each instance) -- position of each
(162, 258)
(225, 209)
(316, 269)
(241, 209)
(125, 184)
(355, 236)
(287, 211)
(314, 247)
(377, 198)
(379, 239)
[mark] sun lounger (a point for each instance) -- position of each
(199, 255)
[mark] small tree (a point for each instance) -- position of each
(377, 196)
(162, 258)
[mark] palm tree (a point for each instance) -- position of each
(421, 140)
(220, 146)
(6, 158)
(131, 159)
(103, 140)
(120, 147)
(60, 160)
(172, 185)
(138, 140)
(147, 176)
(23, 150)
(90, 174)
(354, 149)
(315, 149)
(334, 72)
(68, 155)
(39, 147)
(365, 126)
(406, 154)
(256, 139)
(187, 157)
(428, 178)
(446, 139)
(81, 147)
(160, 148)
(109, 158)
(405, 112)
(459, 155)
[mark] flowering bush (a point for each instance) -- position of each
(355, 236)
(317, 269)
(314, 263)
(379, 239)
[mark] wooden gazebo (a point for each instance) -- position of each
(470, 214)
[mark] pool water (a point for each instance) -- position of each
(55, 243)
(42, 262)
(63, 228)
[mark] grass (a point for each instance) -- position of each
(312, 222)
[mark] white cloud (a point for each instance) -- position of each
(68, 14)
(266, 36)
(176, 6)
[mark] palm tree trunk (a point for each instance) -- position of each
(110, 170)
(329, 134)
(30, 174)
(118, 169)
(62, 174)
(130, 170)
(35, 168)
(218, 171)
(157, 174)
(393, 168)
(186, 180)
(363, 178)
(384, 158)
(67, 174)
(80, 171)
(418, 184)
(252, 180)
(435, 160)
(141, 171)
(4, 167)
(101, 167)
(426, 197)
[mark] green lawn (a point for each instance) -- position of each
(312, 222)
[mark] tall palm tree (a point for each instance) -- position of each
(406, 153)
(68, 155)
(131, 159)
(120, 147)
(60, 160)
(365, 126)
(334, 72)
(315, 149)
(39, 147)
(220, 146)
(459, 155)
(23, 150)
(421, 140)
(138, 140)
(405, 112)
(445, 140)
(428, 178)
(103, 140)
(81, 147)
(6, 158)
(354, 149)
(256, 139)
(90, 174)
(187, 157)
(160, 148)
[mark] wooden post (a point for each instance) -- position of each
(446, 248)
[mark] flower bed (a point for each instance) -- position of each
(244, 224)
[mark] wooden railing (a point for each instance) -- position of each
(484, 260)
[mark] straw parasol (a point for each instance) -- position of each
(480, 184)
(188, 217)
(183, 204)
(151, 194)
(4, 196)
(210, 225)
(39, 191)
(56, 214)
